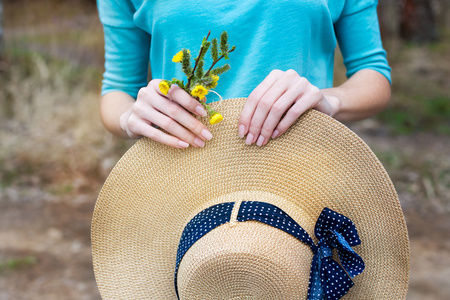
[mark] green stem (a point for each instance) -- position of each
(196, 63)
(214, 63)
(208, 108)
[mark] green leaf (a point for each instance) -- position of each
(224, 43)
(186, 63)
(214, 50)
(205, 81)
(177, 82)
(199, 70)
(205, 49)
(220, 70)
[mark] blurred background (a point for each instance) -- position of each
(55, 153)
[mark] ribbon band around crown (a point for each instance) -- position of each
(328, 279)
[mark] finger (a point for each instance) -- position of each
(309, 100)
(253, 99)
(278, 110)
(279, 98)
(143, 129)
(177, 113)
(180, 96)
(172, 127)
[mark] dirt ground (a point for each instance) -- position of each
(51, 237)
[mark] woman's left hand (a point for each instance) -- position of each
(277, 102)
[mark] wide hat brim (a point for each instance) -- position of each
(154, 191)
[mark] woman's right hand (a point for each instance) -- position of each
(153, 111)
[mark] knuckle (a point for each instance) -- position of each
(276, 73)
(265, 132)
(253, 98)
(188, 137)
(291, 73)
(133, 126)
(265, 104)
(295, 111)
(316, 92)
(278, 108)
(173, 110)
(197, 127)
(143, 92)
(152, 134)
(314, 89)
(172, 92)
(254, 129)
(302, 81)
(154, 82)
(167, 124)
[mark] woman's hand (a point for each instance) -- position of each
(276, 103)
(153, 111)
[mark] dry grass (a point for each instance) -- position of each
(50, 130)
(51, 135)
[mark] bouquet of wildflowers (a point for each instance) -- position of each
(199, 80)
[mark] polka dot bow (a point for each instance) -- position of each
(328, 279)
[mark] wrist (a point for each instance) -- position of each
(335, 104)
(115, 110)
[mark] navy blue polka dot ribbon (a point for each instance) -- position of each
(328, 279)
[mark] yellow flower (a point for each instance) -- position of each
(215, 118)
(178, 57)
(199, 91)
(214, 83)
(164, 87)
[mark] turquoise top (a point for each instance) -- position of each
(283, 34)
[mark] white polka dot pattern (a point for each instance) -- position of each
(328, 279)
(199, 225)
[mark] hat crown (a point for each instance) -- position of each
(245, 260)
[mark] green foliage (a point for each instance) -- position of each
(186, 62)
(205, 81)
(200, 82)
(199, 71)
(220, 70)
(17, 263)
(178, 82)
(214, 50)
(203, 50)
(418, 114)
(224, 43)
(197, 75)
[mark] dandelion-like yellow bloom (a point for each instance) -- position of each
(215, 118)
(178, 57)
(215, 78)
(199, 91)
(164, 87)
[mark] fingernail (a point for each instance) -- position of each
(199, 142)
(206, 134)
(249, 139)
(183, 144)
(260, 141)
(200, 110)
(275, 134)
(241, 131)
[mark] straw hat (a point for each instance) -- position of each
(155, 193)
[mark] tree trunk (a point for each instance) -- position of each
(1, 27)
(417, 21)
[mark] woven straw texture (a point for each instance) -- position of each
(154, 191)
